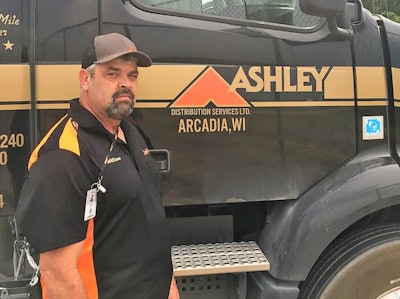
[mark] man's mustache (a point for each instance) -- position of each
(122, 91)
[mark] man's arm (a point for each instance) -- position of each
(58, 269)
(173, 291)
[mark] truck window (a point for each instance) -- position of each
(285, 12)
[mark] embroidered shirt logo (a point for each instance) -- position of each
(113, 160)
(145, 151)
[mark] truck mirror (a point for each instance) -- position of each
(323, 8)
(334, 11)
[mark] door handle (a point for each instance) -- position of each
(162, 158)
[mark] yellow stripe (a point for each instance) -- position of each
(397, 104)
(396, 82)
(15, 107)
(60, 82)
(255, 104)
(339, 83)
(371, 103)
(371, 82)
(69, 139)
(304, 104)
(165, 81)
(57, 82)
(35, 153)
(53, 106)
(151, 105)
(15, 84)
(10, 107)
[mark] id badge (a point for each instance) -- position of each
(91, 203)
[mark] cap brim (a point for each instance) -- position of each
(143, 60)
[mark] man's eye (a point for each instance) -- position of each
(113, 75)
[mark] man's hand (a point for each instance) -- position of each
(173, 291)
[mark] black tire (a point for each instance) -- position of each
(365, 264)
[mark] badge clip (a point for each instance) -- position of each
(99, 186)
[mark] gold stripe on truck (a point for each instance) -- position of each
(57, 82)
(371, 103)
(51, 87)
(277, 104)
(15, 84)
(159, 85)
(371, 82)
(396, 84)
(160, 82)
(60, 83)
(339, 83)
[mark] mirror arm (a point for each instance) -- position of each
(336, 30)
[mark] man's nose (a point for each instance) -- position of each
(125, 82)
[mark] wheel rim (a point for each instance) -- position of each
(391, 294)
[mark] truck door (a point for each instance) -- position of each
(38, 60)
(14, 119)
(390, 43)
(373, 88)
(253, 100)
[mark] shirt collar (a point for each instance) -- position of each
(87, 120)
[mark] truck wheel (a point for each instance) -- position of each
(365, 264)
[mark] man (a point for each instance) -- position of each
(91, 205)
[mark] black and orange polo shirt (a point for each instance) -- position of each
(126, 249)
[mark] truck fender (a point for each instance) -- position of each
(297, 232)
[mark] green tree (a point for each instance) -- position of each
(394, 17)
(387, 8)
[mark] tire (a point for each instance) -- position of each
(365, 264)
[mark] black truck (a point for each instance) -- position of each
(273, 121)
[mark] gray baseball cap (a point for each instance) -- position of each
(109, 46)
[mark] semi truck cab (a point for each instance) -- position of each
(273, 122)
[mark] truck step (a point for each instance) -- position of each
(218, 258)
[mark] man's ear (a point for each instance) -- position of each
(84, 78)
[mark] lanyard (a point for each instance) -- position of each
(98, 184)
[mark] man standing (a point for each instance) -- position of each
(91, 205)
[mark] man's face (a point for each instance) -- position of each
(112, 88)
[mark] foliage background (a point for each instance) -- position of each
(387, 8)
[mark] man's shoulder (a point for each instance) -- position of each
(61, 137)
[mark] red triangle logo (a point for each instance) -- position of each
(209, 87)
